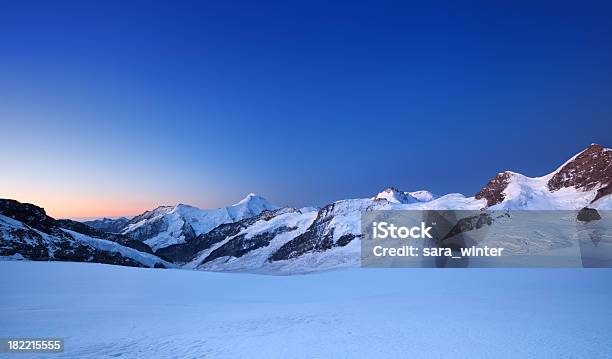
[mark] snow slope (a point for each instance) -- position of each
(423, 195)
(396, 196)
(108, 246)
(532, 193)
(119, 312)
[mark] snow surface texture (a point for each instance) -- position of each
(110, 311)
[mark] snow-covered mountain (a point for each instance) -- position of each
(182, 223)
(256, 236)
(26, 232)
(110, 225)
(394, 195)
(310, 240)
(329, 237)
(584, 180)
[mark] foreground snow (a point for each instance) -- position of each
(110, 311)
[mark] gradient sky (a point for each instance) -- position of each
(114, 108)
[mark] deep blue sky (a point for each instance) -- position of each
(133, 105)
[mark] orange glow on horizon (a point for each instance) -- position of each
(77, 205)
(63, 206)
(94, 209)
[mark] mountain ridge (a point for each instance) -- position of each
(579, 182)
(254, 235)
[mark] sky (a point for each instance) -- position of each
(113, 108)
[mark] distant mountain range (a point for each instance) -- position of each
(167, 225)
(254, 235)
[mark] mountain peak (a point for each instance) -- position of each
(183, 205)
(394, 195)
(251, 197)
(249, 206)
(589, 169)
(596, 145)
(248, 198)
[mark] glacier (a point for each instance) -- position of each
(105, 311)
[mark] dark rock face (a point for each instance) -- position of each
(29, 214)
(588, 214)
(137, 245)
(591, 168)
(108, 225)
(469, 224)
(344, 240)
(188, 232)
(32, 245)
(240, 245)
(317, 238)
(24, 241)
(185, 252)
(37, 236)
(493, 191)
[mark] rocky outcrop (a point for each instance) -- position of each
(29, 214)
(493, 191)
(31, 234)
(588, 214)
(30, 244)
(590, 169)
(24, 242)
(468, 224)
